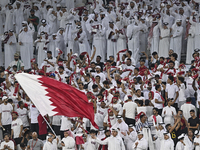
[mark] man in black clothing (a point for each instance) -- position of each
(193, 121)
(99, 63)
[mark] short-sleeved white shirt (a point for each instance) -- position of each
(10, 144)
(5, 110)
(182, 92)
(171, 90)
(130, 109)
(34, 113)
(158, 97)
(49, 67)
(16, 126)
(113, 119)
(23, 114)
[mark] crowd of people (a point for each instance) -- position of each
(125, 55)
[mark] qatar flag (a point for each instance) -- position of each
(56, 98)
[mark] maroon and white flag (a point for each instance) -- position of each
(56, 98)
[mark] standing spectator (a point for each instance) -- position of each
(33, 19)
(5, 115)
(68, 141)
(193, 121)
(34, 118)
(9, 41)
(35, 143)
(171, 92)
(187, 107)
(23, 114)
(129, 111)
(17, 127)
(25, 41)
(168, 113)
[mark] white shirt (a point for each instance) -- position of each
(91, 144)
(10, 144)
(142, 144)
(113, 119)
(186, 110)
(102, 76)
(158, 97)
(34, 114)
(69, 143)
(130, 109)
(100, 115)
(65, 124)
(50, 146)
(23, 114)
(167, 144)
(168, 114)
(5, 110)
(49, 67)
(182, 92)
(114, 143)
(56, 120)
(171, 91)
(16, 127)
(155, 124)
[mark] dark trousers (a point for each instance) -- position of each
(160, 112)
(18, 140)
(7, 129)
(130, 121)
(56, 129)
(35, 127)
(175, 105)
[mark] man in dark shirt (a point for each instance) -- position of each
(33, 19)
(99, 63)
(2, 79)
(193, 121)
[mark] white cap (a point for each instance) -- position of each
(178, 20)
(4, 97)
(181, 136)
(98, 67)
(115, 129)
(24, 22)
(58, 5)
(140, 133)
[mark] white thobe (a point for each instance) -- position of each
(129, 139)
(69, 143)
(186, 110)
(114, 143)
(98, 42)
(41, 52)
(18, 17)
(196, 140)
(50, 146)
(83, 43)
(190, 44)
(142, 144)
(169, 114)
(164, 42)
(111, 42)
(44, 29)
(9, 20)
(155, 40)
(10, 50)
(176, 40)
(167, 144)
(26, 49)
(52, 21)
(179, 146)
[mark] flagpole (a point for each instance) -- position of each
(49, 125)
